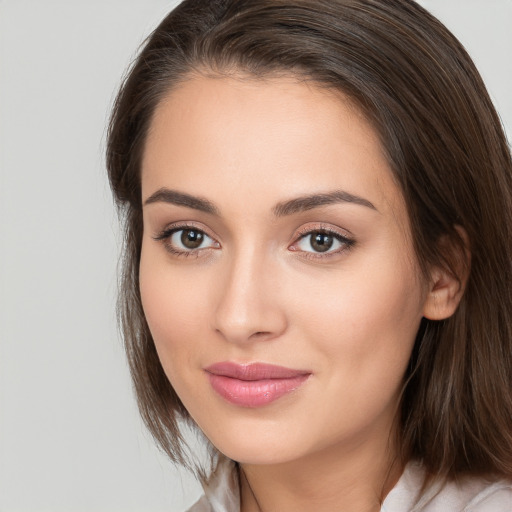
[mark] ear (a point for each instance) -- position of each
(447, 286)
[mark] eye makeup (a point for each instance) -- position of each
(311, 242)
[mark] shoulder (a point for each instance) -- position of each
(473, 495)
(495, 497)
(467, 495)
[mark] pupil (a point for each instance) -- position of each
(191, 239)
(321, 242)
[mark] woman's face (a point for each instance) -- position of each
(277, 272)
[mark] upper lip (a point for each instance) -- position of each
(253, 371)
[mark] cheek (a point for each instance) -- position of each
(363, 331)
(380, 303)
(364, 322)
(173, 310)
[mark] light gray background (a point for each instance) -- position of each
(70, 436)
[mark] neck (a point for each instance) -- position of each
(355, 479)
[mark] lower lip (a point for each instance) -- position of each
(254, 393)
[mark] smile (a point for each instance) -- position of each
(254, 385)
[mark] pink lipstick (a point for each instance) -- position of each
(254, 385)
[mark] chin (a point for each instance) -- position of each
(258, 455)
(257, 445)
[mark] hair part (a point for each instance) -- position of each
(446, 147)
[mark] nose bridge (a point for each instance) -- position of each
(247, 306)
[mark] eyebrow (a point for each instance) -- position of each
(304, 203)
(165, 195)
(296, 205)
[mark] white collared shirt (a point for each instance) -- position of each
(221, 493)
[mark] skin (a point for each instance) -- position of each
(256, 290)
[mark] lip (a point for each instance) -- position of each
(255, 384)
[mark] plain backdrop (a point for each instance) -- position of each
(70, 436)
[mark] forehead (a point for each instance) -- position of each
(275, 138)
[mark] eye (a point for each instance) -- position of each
(186, 240)
(322, 242)
(190, 239)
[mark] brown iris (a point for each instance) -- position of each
(321, 242)
(191, 238)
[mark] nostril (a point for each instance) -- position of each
(260, 334)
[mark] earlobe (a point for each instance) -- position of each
(447, 286)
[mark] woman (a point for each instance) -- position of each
(317, 273)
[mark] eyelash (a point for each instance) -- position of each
(346, 243)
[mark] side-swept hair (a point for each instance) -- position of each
(446, 147)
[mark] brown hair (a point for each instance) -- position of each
(446, 147)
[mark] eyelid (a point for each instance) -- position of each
(176, 226)
(323, 227)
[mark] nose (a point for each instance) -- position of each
(248, 306)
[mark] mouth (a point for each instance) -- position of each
(255, 384)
